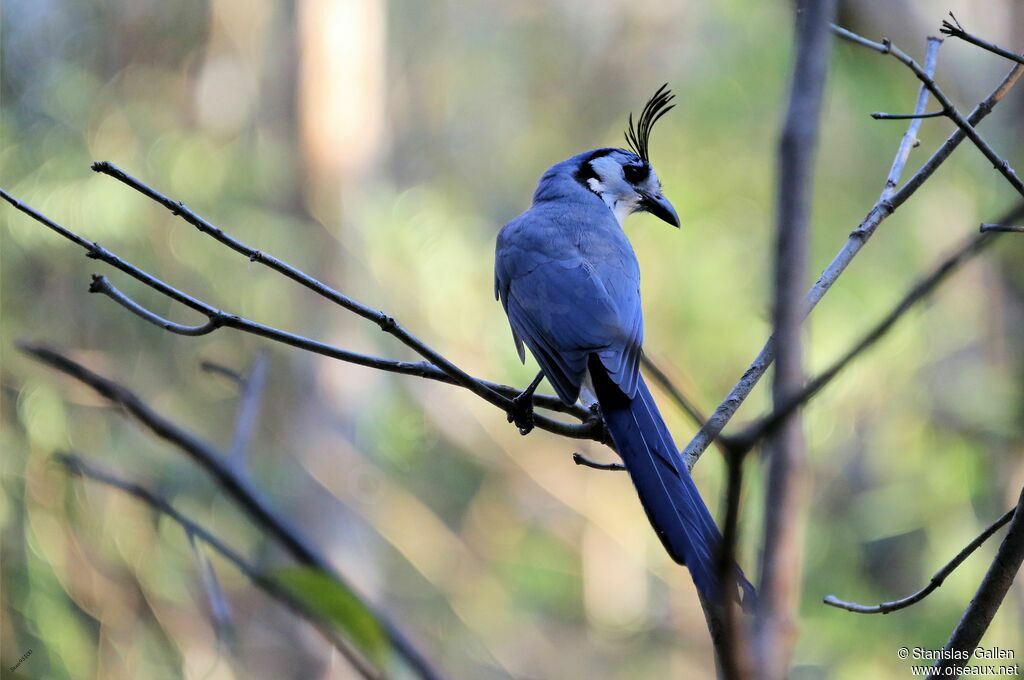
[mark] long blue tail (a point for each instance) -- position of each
(674, 506)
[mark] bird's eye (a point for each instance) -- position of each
(635, 174)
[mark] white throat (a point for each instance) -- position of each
(621, 207)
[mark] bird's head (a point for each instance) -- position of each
(624, 179)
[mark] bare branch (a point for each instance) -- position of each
(386, 323)
(907, 116)
(885, 207)
(909, 139)
(220, 369)
(1000, 164)
(937, 580)
(976, 619)
(1002, 228)
(681, 400)
(971, 247)
(955, 30)
(101, 285)
(236, 484)
(781, 562)
(499, 395)
(78, 466)
(580, 459)
(852, 37)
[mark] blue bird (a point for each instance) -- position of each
(569, 281)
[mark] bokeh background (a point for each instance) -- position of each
(379, 145)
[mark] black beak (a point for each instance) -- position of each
(658, 205)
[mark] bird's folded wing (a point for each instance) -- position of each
(567, 309)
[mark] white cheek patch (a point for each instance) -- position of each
(616, 193)
(621, 206)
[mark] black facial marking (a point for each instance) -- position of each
(636, 173)
(586, 171)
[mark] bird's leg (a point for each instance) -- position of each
(521, 411)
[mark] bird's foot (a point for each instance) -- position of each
(521, 411)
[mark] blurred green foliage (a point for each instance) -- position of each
(339, 606)
(389, 181)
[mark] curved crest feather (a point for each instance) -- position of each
(638, 138)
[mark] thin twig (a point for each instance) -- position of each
(972, 246)
(886, 206)
(386, 323)
(1000, 164)
(78, 466)
(677, 395)
(937, 580)
(907, 116)
(101, 285)
(852, 37)
(1002, 228)
(909, 139)
(232, 481)
(684, 403)
(580, 459)
(220, 369)
(955, 30)
(986, 602)
(781, 562)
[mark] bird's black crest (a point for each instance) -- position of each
(638, 138)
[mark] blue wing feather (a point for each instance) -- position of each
(571, 289)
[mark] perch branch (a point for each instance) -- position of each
(80, 467)
(887, 204)
(937, 580)
(501, 396)
(386, 323)
(236, 484)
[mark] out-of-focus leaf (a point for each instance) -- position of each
(339, 606)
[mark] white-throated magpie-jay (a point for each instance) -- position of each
(569, 281)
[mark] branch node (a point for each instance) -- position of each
(582, 460)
